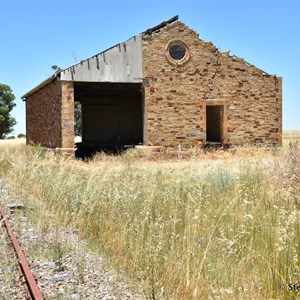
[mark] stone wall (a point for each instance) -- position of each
(43, 116)
(177, 95)
(67, 115)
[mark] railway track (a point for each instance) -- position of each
(32, 290)
(60, 260)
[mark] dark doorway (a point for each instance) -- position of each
(112, 116)
(214, 123)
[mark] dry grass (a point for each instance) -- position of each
(14, 142)
(291, 136)
(220, 225)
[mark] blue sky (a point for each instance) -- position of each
(40, 33)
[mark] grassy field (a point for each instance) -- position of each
(291, 136)
(220, 225)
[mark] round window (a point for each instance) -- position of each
(177, 52)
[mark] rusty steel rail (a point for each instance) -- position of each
(33, 291)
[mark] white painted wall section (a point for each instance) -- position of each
(121, 63)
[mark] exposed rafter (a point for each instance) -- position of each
(161, 25)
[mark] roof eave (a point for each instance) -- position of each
(45, 82)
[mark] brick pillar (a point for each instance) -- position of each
(145, 115)
(279, 103)
(67, 116)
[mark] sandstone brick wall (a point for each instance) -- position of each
(67, 115)
(177, 95)
(43, 116)
(176, 98)
(50, 115)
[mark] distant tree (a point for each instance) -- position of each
(21, 135)
(77, 117)
(11, 137)
(7, 122)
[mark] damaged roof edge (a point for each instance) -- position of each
(43, 83)
(146, 32)
(57, 74)
(115, 64)
(161, 25)
(102, 52)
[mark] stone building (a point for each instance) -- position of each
(163, 87)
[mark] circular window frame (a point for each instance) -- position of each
(173, 61)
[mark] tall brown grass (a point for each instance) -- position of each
(220, 225)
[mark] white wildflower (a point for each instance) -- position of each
(248, 217)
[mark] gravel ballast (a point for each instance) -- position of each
(11, 286)
(60, 261)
